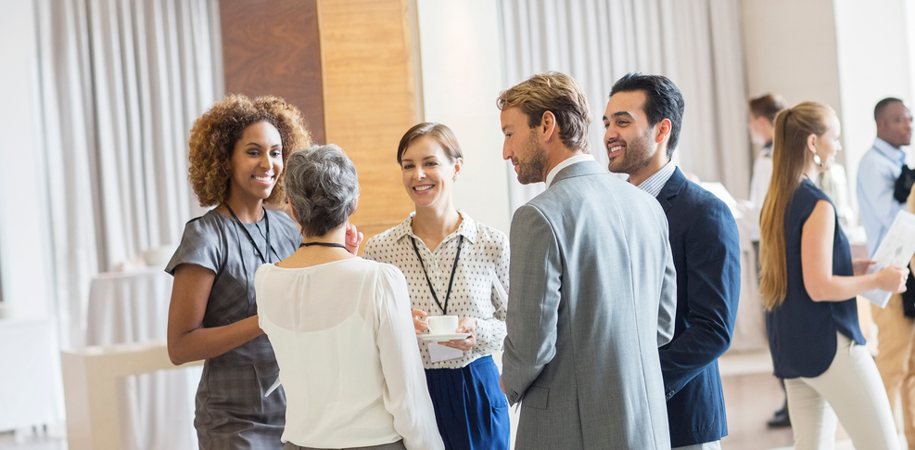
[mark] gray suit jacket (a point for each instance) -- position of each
(593, 296)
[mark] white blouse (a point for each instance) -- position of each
(344, 341)
(480, 281)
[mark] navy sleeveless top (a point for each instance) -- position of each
(802, 333)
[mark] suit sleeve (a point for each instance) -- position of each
(667, 307)
(533, 303)
(712, 286)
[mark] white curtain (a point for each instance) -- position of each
(121, 83)
(695, 43)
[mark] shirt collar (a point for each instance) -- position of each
(656, 181)
(893, 153)
(566, 163)
(467, 228)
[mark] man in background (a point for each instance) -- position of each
(642, 120)
(878, 171)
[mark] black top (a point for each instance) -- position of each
(802, 333)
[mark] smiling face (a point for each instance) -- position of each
(428, 172)
(256, 163)
(827, 145)
(522, 147)
(629, 139)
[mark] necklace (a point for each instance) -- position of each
(322, 244)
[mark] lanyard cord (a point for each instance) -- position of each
(251, 239)
(457, 256)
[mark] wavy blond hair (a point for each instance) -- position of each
(555, 92)
(215, 133)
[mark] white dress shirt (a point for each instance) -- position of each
(759, 187)
(344, 342)
(566, 163)
(483, 263)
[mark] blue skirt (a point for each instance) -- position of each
(470, 408)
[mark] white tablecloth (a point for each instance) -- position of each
(129, 307)
(30, 383)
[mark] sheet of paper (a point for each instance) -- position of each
(441, 353)
(896, 249)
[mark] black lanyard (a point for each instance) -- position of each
(457, 256)
(251, 239)
(322, 244)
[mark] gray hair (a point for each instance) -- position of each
(322, 188)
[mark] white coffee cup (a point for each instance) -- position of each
(442, 324)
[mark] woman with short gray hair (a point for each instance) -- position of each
(340, 325)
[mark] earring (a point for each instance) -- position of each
(817, 160)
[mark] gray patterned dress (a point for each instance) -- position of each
(232, 412)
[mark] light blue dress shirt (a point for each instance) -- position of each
(877, 174)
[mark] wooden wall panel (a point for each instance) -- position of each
(272, 47)
(370, 98)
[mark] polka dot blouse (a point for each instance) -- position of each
(483, 263)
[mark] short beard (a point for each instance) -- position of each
(637, 155)
(531, 171)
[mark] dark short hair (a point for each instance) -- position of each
(440, 132)
(882, 104)
(663, 100)
(767, 105)
(322, 188)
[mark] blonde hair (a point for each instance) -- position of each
(555, 92)
(789, 160)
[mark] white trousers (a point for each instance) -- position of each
(850, 389)
(715, 445)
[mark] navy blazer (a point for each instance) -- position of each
(706, 249)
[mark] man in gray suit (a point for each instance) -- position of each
(593, 285)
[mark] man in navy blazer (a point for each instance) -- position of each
(643, 120)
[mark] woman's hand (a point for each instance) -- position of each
(466, 325)
(418, 325)
(353, 239)
(893, 279)
(860, 265)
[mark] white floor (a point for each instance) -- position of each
(732, 367)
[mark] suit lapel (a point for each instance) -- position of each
(671, 189)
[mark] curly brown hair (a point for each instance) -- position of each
(215, 133)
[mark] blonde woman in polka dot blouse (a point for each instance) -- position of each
(453, 266)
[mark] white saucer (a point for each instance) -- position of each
(443, 337)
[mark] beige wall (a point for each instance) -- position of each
(845, 53)
(462, 74)
(874, 63)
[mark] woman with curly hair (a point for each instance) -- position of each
(237, 152)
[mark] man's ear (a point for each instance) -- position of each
(663, 130)
(547, 126)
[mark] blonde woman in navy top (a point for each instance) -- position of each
(809, 283)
